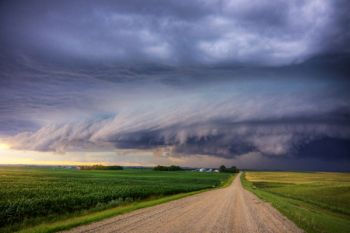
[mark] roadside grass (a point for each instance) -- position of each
(316, 202)
(116, 192)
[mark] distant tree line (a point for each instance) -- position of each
(232, 169)
(222, 168)
(101, 167)
(168, 168)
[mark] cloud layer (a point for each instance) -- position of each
(220, 80)
(176, 32)
(274, 116)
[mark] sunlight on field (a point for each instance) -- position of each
(316, 201)
(298, 177)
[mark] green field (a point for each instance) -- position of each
(30, 196)
(315, 201)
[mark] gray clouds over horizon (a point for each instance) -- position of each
(213, 78)
(235, 115)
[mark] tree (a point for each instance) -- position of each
(232, 169)
(222, 168)
(165, 168)
(101, 167)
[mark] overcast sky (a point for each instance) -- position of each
(258, 84)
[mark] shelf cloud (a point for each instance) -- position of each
(202, 79)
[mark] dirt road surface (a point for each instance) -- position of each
(231, 209)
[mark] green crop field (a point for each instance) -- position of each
(29, 196)
(315, 201)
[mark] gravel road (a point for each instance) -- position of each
(231, 209)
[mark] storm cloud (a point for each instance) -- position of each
(176, 32)
(222, 79)
(272, 115)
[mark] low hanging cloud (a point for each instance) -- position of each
(221, 138)
(222, 112)
(239, 120)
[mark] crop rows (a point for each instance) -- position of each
(29, 193)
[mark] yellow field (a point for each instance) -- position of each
(299, 177)
(316, 201)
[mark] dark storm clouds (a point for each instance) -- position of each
(176, 32)
(220, 78)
